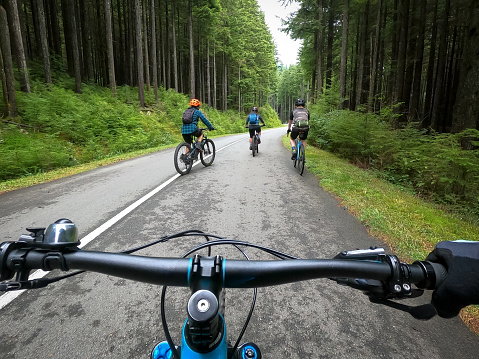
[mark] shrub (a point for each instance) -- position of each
(434, 165)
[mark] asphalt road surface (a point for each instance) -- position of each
(262, 200)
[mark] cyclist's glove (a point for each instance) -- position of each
(212, 129)
(461, 284)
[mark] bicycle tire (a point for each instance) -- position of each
(257, 144)
(182, 165)
(301, 159)
(207, 156)
(253, 145)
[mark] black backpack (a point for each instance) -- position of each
(188, 115)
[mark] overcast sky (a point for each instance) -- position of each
(286, 47)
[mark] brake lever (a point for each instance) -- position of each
(421, 312)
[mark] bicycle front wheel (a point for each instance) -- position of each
(301, 160)
(183, 164)
(208, 154)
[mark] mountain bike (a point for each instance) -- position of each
(255, 142)
(300, 158)
(382, 277)
(186, 154)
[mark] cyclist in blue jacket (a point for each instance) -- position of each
(190, 126)
(254, 127)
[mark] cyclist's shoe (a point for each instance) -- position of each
(294, 155)
(250, 146)
(259, 140)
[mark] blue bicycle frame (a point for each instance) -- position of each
(204, 332)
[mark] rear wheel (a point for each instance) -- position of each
(183, 164)
(254, 145)
(301, 159)
(207, 156)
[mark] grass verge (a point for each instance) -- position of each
(411, 227)
(49, 176)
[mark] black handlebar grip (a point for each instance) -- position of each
(432, 275)
(440, 271)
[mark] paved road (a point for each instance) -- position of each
(262, 200)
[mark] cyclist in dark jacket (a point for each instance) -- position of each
(188, 130)
(254, 127)
(298, 125)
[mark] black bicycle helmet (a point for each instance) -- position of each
(299, 102)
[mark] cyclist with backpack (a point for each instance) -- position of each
(252, 122)
(190, 123)
(298, 125)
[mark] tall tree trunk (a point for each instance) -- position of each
(145, 41)
(44, 42)
(153, 50)
(414, 110)
(402, 54)
(32, 51)
(23, 25)
(329, 61)
(67, 36)
(362, 56)
(55, 27)
(375, 57)
(214, 74)
(411, 51)
(208, 82)
(85, 38)
(344, 56)
(427, 108)
(192, 51)
(319, 53)
(109, 46)
(466, 108)
(8, 78)
(18, 48)
(139, 54)
(4, 111)
(161, 48)
(391, 90)
(225, 84)
(437, 117)
(175, 56)
(71, 24)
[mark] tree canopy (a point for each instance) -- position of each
(219, 51)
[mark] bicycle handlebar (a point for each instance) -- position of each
(236, 273)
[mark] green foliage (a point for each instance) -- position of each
(432, 165)
(59, 128)
(249, 46)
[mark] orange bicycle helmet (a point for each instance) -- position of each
(195, 103)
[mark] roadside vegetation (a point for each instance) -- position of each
(57, 128)
(440, 167)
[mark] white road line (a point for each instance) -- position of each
(10, 296)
